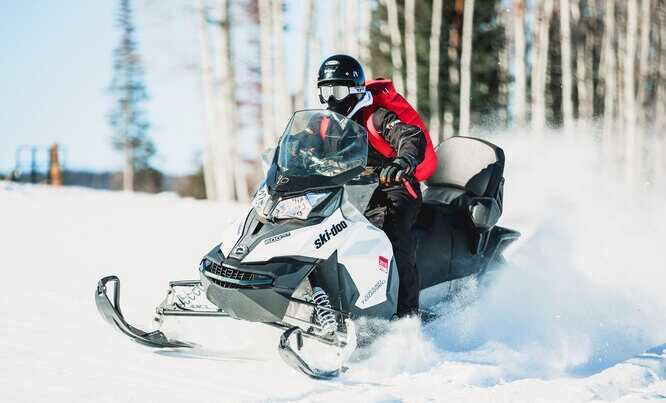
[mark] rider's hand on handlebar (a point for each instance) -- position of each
(394, 173)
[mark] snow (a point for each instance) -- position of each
(579, 314)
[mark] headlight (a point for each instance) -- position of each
(298, 207)
(260, 201)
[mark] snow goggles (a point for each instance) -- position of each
(339, 92)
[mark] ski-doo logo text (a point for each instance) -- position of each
(329, 233)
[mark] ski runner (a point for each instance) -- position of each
(400, 150)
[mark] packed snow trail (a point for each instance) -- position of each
(567, 320)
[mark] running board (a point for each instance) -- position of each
(111, 313)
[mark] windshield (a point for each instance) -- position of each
(321, 143)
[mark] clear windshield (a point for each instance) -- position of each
(321, 142)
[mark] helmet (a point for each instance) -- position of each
(341, 83)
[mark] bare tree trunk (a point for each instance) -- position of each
(519, 62)
(465, 71)
(609, 69)
(567, 81)
(266, 50)
(644, 72)
(366, 20)
(540, 67)
(433, 71)
(661, 89)
(454, 65)
(282, 105)
(629, 90)
(236, 181)
(396, 44)
(410, 53)
(306, 51)
(660, 132)
(584, 62)
(209, 109)
(503, 64)
(351, 30)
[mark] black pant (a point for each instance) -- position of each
(399, 211)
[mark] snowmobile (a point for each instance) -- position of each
(309, 258)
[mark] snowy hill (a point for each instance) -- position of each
(579, 315)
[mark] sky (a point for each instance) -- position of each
(56, 70)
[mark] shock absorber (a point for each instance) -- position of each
(325, 317)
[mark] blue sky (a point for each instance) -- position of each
(56, 68)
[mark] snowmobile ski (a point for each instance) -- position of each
(111, 313)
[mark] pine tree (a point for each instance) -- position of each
(127, 116)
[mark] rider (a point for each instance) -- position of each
(396, 151)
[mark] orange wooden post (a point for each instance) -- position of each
(54, 166)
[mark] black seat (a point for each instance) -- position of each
(468, 185)
(469, 176)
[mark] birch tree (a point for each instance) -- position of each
(465, 72)
(644, 68)
(567, 82)
(660, 157)
(661, 89)
(282, 101)
(236, 182)
(364, 37)
(209, 109)
(396, 44)
(351, 27)
(433, 71)
(609, 63)
(307, 39)
(518, 22)
(266, 63)
(584, 60)
(454, 64)
(629, 89)
(410, 53)
(540, 66)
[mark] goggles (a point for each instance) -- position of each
(339, 92)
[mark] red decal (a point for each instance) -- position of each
(383, 264)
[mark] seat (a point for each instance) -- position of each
(468, 184)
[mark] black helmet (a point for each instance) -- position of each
(345, 74)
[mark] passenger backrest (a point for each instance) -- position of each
(469, 164)
(468, 176)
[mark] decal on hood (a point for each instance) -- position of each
(330, 233)
(276, 238)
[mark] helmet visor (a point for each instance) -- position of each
(339, 92)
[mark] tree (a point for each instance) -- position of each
(127, 116)
(518, 22)
(396, 44)
(211, 148)
(410, 53)
(266, 52)
(433, 71)
(609, 63)
(643, 68)
(540, 66)
(232, 180)
(465, 73)
(567, 80)
(629, 89)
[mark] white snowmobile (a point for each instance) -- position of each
(309, 259)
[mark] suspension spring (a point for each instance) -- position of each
(325, 317)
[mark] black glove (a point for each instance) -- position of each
(394, 172)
